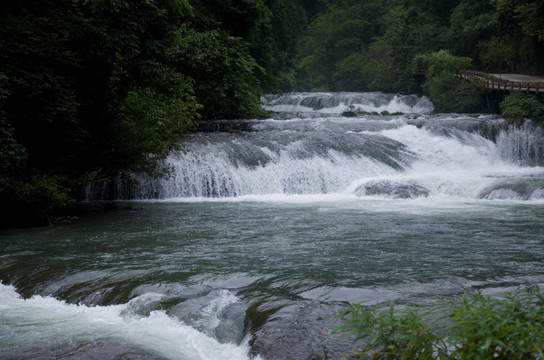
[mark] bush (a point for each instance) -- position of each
(518, 106)
(509, 326)
(44, 199)
(151, 123)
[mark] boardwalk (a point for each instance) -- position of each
(505, 82)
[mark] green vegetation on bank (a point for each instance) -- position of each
(377, 44)
(90, 89)
(518, 106)
(411, 46)
(509, 326)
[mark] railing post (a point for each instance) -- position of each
(496, 82)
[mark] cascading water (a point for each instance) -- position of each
(264, 229)
(309, 148)
(352, 103)
(522, 144)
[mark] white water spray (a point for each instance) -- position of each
(46, 320)
(401, 156)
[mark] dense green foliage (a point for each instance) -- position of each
(375, 45)
(206, 55)
(472, 327)
(518, 106)
(386, 45)
(334, 38)
(90, 89)
(450, 93)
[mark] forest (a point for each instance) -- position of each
(90, 89)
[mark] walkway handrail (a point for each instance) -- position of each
(494, 82)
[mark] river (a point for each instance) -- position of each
(264, 229)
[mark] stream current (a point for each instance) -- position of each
(263, 229)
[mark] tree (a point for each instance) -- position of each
(225, 75)
(346, 29)
(450, 93)
(127, 67)
(531, 17)
(287, 22)
(269, 28)
(314, 7)
(12, 154)
(516, 45)
(39, 57)
(76, 77)
(471, 23)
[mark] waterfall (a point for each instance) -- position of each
(522, 144)
(353, 103)
(307, 147)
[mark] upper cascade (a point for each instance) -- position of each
(348, 103)
(309, 148)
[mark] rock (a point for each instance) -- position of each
(301, 332)
(393, 189)
(349, 113)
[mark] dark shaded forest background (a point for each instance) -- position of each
(90, 89)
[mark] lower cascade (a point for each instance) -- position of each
(308, 147)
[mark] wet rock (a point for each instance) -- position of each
(510, 189)
(538, 194)
(301, 332)
(349, 114)
(410, 100)
(393, 189)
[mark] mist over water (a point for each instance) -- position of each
(263, 230)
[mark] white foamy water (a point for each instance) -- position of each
(401, 156)
(40, 321)
(461, 165)
(337, 103)
(399, 161)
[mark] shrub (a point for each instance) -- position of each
(518, 106)
(509, 326)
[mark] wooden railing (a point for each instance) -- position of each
(494, 82)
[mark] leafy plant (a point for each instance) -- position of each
(152, 123)
(518, 106)
(43, 196)
(443, 63)
(387, 334)
(508, 326)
